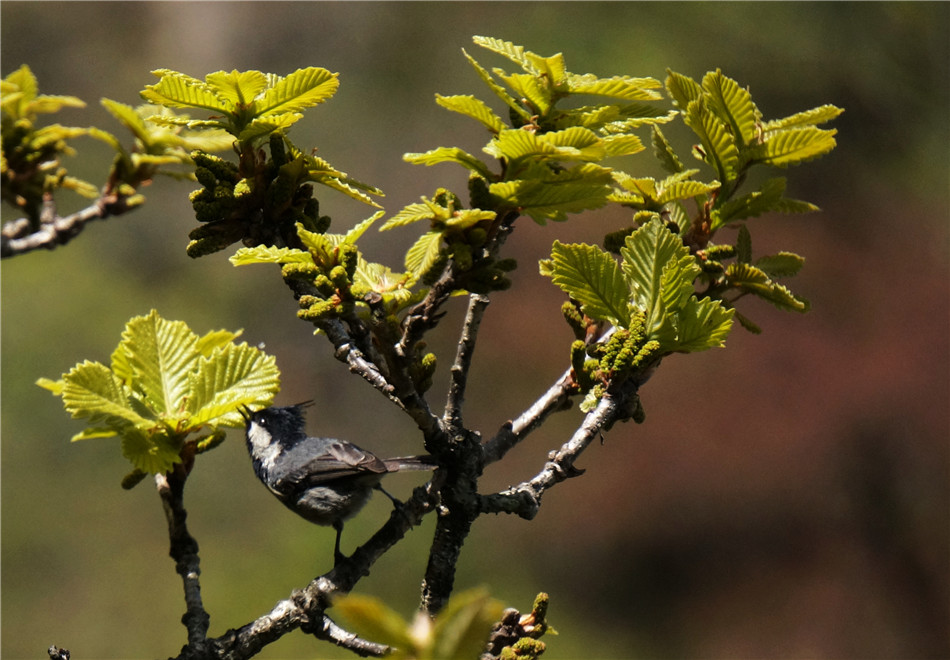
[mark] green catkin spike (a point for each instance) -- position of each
(319, 311)
(324, 285)
(223, 170)
(201, 195)
(462, 254)
(299, 271)
(133, 479)
(242, 188)
(339, 278)
(478, 194)
(277, 152)
(574, 319)
(506, 265)
(206, 177)
(477, 237)
(719, 252)
(280, 191)
(349, 257)
(615, 240)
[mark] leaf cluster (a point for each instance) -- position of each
(548, 155)
(164, 384)
(31, 163)
(260, 199)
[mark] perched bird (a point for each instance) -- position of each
(323, 480)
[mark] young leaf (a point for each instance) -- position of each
(783, 264)
(664, 152)
(233, 375)
(238, 87)
(474, 108)
(657, 265)
(733, 105)
(301, 89)
(592, 277)
(813, 117)
(373, 619)
(767, 198)
(268, 254)
(449, 155)
(178, 90)
(756, 281)
(91, 390)
(701, 324)
(424, 253)
(161, 354)
(793, 146)
(719, 144)
(496, 88)
(682, 89)
(625, 88)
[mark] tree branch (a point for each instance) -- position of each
(305, 608)
(556, 399)
(525, 498)
(20, 236)
(184, 550)
(463, 361)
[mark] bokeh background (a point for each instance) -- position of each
(787, 496)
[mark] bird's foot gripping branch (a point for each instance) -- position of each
(667, 280)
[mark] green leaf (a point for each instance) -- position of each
(733, 105)
(268, 254)
(619, 87)
(743, 245)
(261, 127)
(178, 90)
(162, 356)
(233, 375)
(664, 152)
(54, 386)
(237, 87)
(474, 108)
(756, 281)
(449, 155)
(301, 89)
(593, 278)
(216, 339)
(750, 205)
(702, 324)
(813, 117)
(409, 214)
(424, 253)
(360, 228)
(496, 88)
(507, 49)
(578, 189)
(783, 264)
(154, 454)
(91, 390)
(682, 89)
(793, 146)
(371, 618)
(461, 629)
(718, 142)
(658, 267)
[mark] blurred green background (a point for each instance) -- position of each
(787, 496)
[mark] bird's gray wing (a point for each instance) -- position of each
(310, 464)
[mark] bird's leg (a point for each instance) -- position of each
(337, 555)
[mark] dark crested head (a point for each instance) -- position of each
(284, 425)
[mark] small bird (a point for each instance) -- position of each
(323, 480)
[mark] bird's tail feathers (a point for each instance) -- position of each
(410, 463)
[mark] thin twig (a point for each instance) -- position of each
(184, 550)
(19, 236)
(525, 498)
(463, 361)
